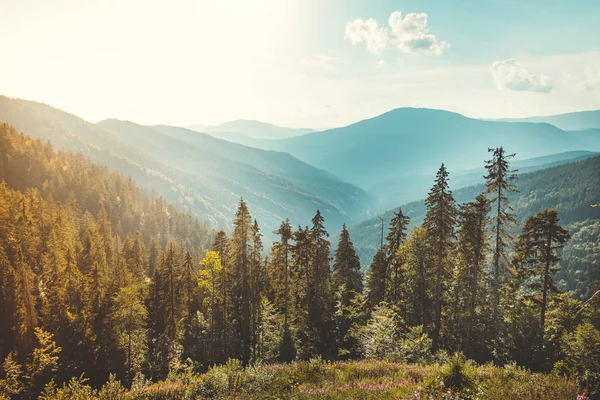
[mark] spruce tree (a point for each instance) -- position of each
(376, 279)
(395, 238)
(240, 261)
(347, 284)
(472, 246)
(499, 184)
(440, 221)
(287, 350)
(537, 258)
(320, 300)
(419, 274)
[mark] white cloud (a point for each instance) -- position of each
(369, 32)
(409, 34)
(589, 82)
(511, 75)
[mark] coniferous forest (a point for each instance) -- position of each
(107, 291)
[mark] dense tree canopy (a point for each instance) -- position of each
(100, 278)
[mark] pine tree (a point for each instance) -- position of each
(300, 282)
(220, 245)
(376, 279)
(473, 246)
(239, 258)
(395, 238)
(129, 315)
(347, 284)
(287, 350)
(27, 316)
(419, 275)
(440, 221)
(258, 281)
(154, 256)
(320, 300)
(499, 184)
(537, 258)
(210, 275)
(165, 311)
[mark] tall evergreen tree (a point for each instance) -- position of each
(239, 258)
(440, 221)
(419, 277)
(499, 184)
(258, 282)
(347, 284)
(376, 279)
(537, 258)
(473, 246)
(287, 350)
(395, 237)
(210, 274)
(320, 301)
(220, 245)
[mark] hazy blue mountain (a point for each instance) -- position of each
(199, 172)
(574, 121)
(571, 188)
(275, 182)
(240, 129)
(392, 155)
(472, 177)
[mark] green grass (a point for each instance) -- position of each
(347, 380)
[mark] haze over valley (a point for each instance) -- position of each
(299, 199)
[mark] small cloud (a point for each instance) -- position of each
(589, 82)
(369, 32)
(409, 34)
(381, 63)
(511, 75)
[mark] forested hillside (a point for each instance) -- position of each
(571, 189)
(276, 185)
(71, 235)
(201, 173)
(105, 287)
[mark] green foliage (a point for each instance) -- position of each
(582, 357)
(80, 301)
(11, 383)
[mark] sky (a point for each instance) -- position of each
(300, 63)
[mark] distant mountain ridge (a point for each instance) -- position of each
(199, 172)
(240, 129)
(389, 155)
(573, 121)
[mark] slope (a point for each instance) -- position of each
(391, 155)
(574, 121)
(174, 168)
(570, 188)
(274, 182)
(252, 129)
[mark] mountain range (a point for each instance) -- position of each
(244, 129)
(350, 173)
(391, 155)
(574, 121)
(199, 172)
